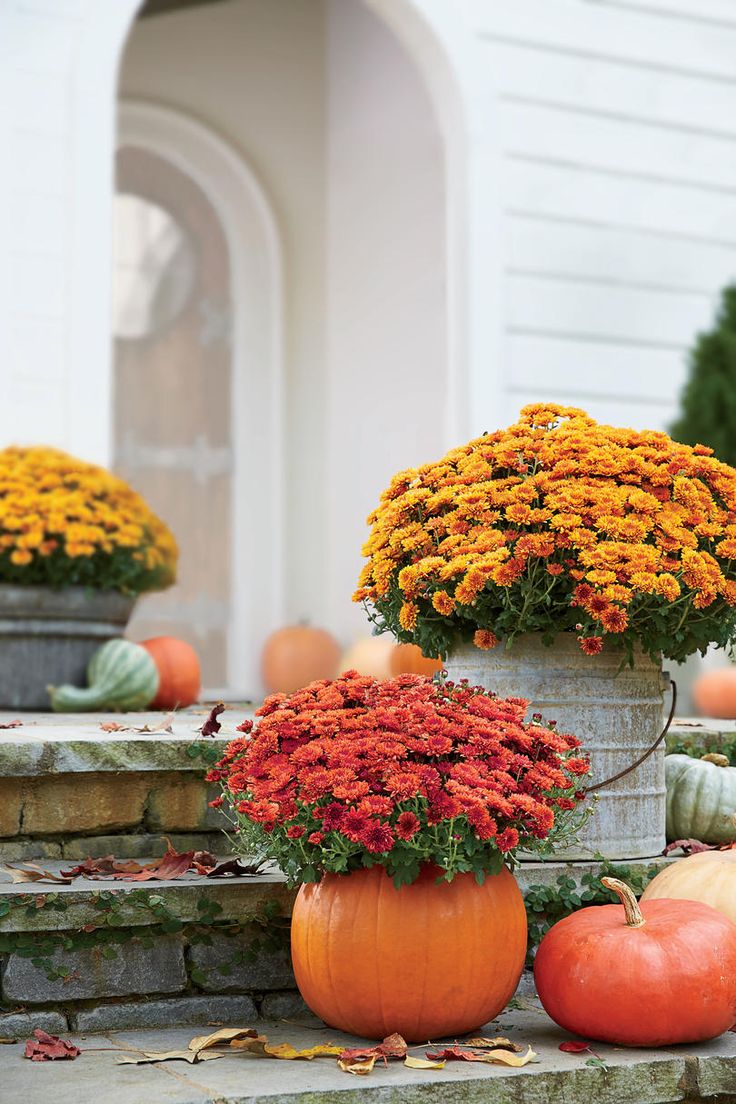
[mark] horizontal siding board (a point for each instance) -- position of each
(607, 254)
(577, 192)
(721, 12)
(619, 313)
(621, 146)
(605, 409)
(637, 37)
(534, 364)
(597, 86)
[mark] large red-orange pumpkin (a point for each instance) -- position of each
(408, 659)
(179, 675)
(650, 975)
(297, 655)
(714, 693)
(427, 960)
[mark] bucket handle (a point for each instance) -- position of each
(645, 756)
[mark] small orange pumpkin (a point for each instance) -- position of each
(370, 656)
(714, 693)
(428, 960)
(297, 655)
(650, 976)
(179, 675)
(408, 659)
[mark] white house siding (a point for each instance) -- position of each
(617, 125)
(54, 200)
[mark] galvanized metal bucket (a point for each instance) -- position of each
(616, 712)
(47, 637)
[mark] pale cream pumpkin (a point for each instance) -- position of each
(709, 877)
(701, 798)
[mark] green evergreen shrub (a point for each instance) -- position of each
(708, 401)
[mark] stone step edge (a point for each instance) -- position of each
(41, 906)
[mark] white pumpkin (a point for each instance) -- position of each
(701, 798)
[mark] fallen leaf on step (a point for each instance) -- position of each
(31, 872)
(164, 725)
(463, 1054)
(239, 1038)
(574, 1046)
(357, 1067)
(142, 1057)
(11, 724)
(49, 1048)
(171, 865)
(393, 1046)
(235, 868)
(113, 726)
(212, 726)
(287, 1051)
(422, 1063)
(689, 846)
(6, 1041)
(499, 1043)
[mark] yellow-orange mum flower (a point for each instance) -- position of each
(557, 521)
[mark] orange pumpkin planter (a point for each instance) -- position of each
(180, 678)
(297, 655)
(648, 976)
(427, 960)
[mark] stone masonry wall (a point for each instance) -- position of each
(78, 814)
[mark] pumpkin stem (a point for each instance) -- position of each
(634, 916)
(716, 758)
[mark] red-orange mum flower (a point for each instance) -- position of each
(591, 645)
(407, 825)
(428, 762)
(485, 639)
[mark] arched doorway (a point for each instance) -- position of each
(197, 381)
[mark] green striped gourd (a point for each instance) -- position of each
(701, 798)
(121, 676)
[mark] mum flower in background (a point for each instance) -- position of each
(64, 522)
(356, 772)
(558, 524)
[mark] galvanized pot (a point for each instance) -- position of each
(47, 637)
(617, 713)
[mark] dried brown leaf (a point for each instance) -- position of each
(49, 1048)
(31, 872)
(499, 1043)
(212, 726)
(358, 1067)
(422, 1063)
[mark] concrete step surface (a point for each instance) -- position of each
(632, 1076)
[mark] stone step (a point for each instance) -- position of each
(675, 1075)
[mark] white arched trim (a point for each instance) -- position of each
(257, 368)
(445, 52)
